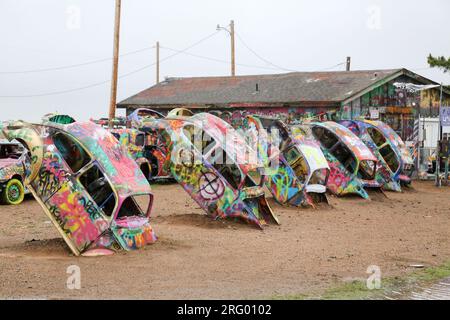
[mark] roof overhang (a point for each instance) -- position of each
(236, 105)
(391, 77)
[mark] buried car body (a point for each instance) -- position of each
(156, 149)
(299, 174)
(135, 141)
(212, 163)
(395, 163)
(87, 184)
(12, 170)
(353, 166)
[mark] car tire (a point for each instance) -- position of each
(13, 192)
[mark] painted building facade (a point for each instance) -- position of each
(298, 96)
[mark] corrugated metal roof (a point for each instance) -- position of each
(297, 87)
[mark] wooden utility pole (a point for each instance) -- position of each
(347, 68)
(233, 56)
(115, 65)
(157, 62)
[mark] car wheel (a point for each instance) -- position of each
(13, 193)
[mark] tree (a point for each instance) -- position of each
(439, 62)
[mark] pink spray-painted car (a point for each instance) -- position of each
(88, 185)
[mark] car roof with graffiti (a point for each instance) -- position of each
(309, 147)
(349, 138)
(227, 137)
(142, 115)
(393, 138)
(113, 157)
(11, 165)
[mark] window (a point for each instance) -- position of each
(319, 177)
(278, 130)
(367, 170)
(390, 157)
(140, 140)
(298, 131)
(72, 152)
(228, 169)
(254, 178)
(99, 189)
(326, 138)
(138, 205)
(202, 141)
(10, 151)
(376, 136)
(297, 162)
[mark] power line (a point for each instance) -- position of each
(218, 60)
(274, 65)
(176, 52)
(172, 55)
(332, 67)
(260, 57)
(107, 81)
(74, 65)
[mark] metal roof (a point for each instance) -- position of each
(302, 88)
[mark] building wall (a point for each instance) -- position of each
(397, 107)
(285, 113)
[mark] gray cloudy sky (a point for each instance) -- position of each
(296, 35)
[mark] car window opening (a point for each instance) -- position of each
(377, 137)
(319, 176)
(327, 138)
(390, 157)
(367, 170)
(134, 206)
(140, 140)
(346, 157)
(253, 179)
(73, 153)
(297, 162)
(99, 189)
(200, 139)
(116, 135)
(10, 151)
(226, 167)
(284, 137)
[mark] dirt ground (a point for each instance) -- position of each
(195, 257)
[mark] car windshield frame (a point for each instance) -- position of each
(360, 162)
(144, 213)
(298, 159)
(87, 167)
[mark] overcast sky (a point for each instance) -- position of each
(287, 34)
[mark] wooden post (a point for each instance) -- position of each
(233, 56)
(112, 103)
(347, 68)
(438, 150)
(157, 62)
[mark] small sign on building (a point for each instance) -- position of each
(374, 113)
(445, 116)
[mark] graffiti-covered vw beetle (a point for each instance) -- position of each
(301, 171)
(141, 115)
(213, 164)
(12, 170)
(136, 143)
(352, 165)
(395, 164)
(156, 151)
(87, 184)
